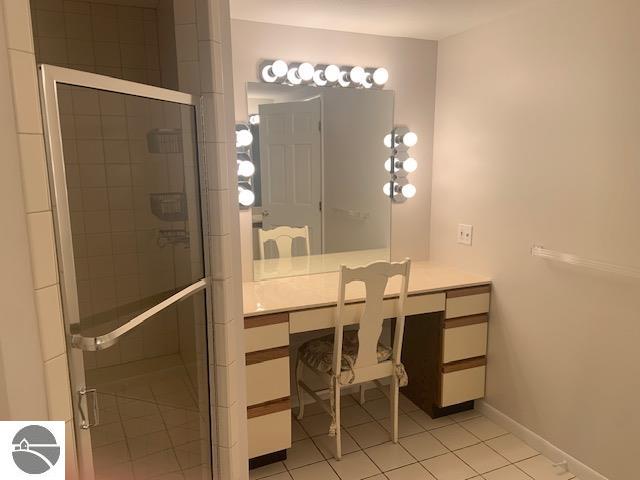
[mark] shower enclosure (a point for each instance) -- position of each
(125, 185)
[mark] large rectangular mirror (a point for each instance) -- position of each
(319, 157)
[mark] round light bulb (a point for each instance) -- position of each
(279, 68)
(380, 76)
(319, 78)
(387, 165)
(254, 119)
(410, 139)
(343, 79)
(243, 138)
(387, 141)
(267, 75)
(408, 191)
(410, 165)
(367, 81)
(332, 73)
(245, 197)
(306, 71)
(293, 78)
(357, 74)
(246, 168)
(386, 188)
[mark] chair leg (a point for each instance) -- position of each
(394, 398)
(299, 370)
(363, 391)
(336, 404)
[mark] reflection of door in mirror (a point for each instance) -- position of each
(291, 158)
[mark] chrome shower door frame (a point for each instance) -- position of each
(49, 77)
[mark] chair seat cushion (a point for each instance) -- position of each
(318, 353)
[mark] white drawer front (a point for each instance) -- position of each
(264, 338)
(464, 342)
(467, 305)
(463, 385)
(267, 381)
(269, 433)
(320, 318)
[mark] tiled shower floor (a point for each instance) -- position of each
(459, 447)
(149, 428)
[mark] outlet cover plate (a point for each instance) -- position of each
(465, 234)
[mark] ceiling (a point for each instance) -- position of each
(424, 19)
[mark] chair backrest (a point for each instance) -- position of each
(375, 278)
(283, 236)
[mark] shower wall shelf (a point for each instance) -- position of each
(540, 251)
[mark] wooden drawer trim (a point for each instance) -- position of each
(264, 320)
(267, 408)
(266, 355)
(466, 321)
(465, 292)
(464, 364)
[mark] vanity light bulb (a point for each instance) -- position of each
(367, 81)
(380, 76)
(410, 139)
(306, 71)
(387, 165)
(357, 75)
(245, 197)
(408, 191)
(410, 165)
(332, 73)
(267, 75)
(319, 78)
(343, 79)
(254, 119)
(293, 77)
(244, 138)
(387, 141)
(279, 68)
(246, 168)
(386, 188)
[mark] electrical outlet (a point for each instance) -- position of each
(465, 234)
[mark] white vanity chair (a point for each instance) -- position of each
(358, 355)
(284, 237)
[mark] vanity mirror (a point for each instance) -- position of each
(319, 167)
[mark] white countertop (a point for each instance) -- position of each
(312, 291)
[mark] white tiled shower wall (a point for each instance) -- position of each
(204, 67)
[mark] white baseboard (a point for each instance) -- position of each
(579, 469)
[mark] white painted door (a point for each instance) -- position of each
(291, 161)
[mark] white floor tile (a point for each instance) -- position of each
(372, 393)
(389, 456)
(407, 405)
(512, 448)
(507, 473)
(354, 415)
(316, 424)
(428, 423)
(466, 415)
(406, 426)
(448, 467)
(454, 437)
(280, 476)
(354, 466)
(317, 471)
(156, 464)
(380, 476)
(369, 434)
(423, 446)
(541, 468)
(267, 471)
(327, 444)
(378, 408)
(297, 432)
(147, 444)
(410, 472)
(483, 428)
(302, 453)
(481, 458)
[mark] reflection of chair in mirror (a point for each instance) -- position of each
(283, 236)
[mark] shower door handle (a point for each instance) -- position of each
(85, 392)
(92, 344)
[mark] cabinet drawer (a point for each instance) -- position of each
(320, 318)
(468, 301)
(269, 433)
(269, 336)
(464, 342)
(267, 380)
(462, 385)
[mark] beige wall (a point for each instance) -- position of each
(411, 65)
(536, 141)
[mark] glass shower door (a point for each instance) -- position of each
(125, 181)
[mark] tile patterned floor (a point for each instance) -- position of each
(459, 447)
